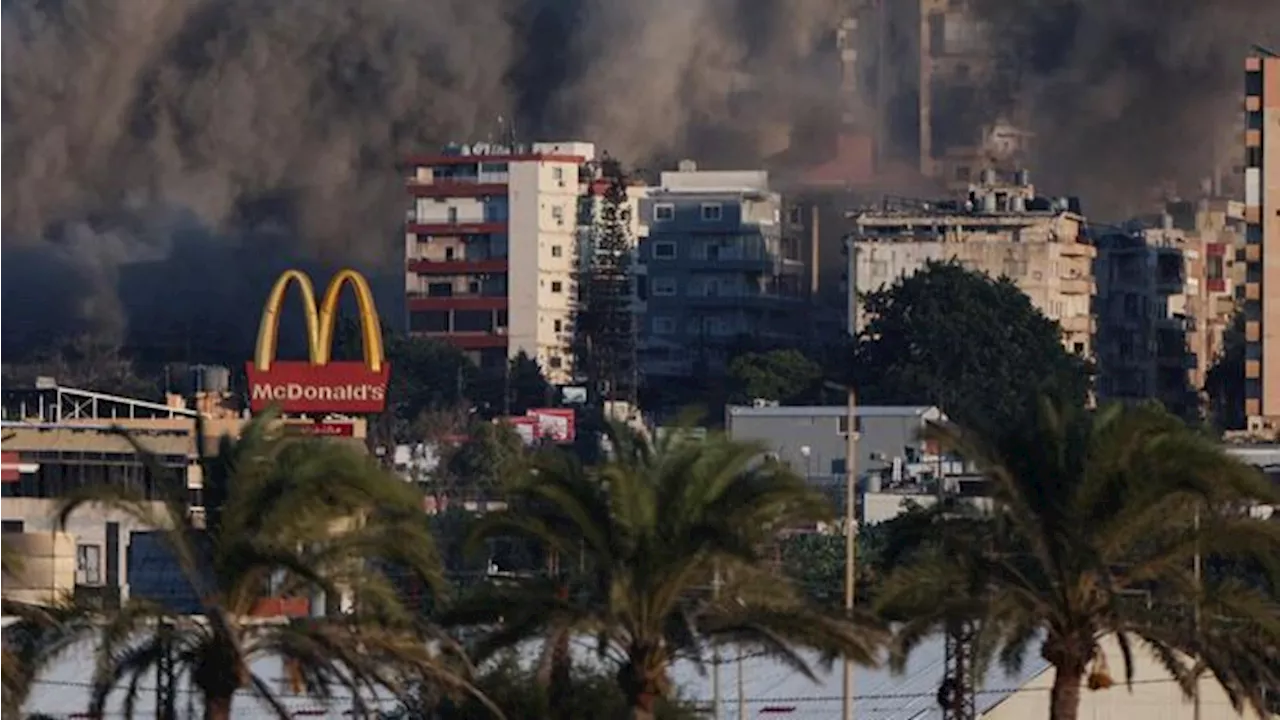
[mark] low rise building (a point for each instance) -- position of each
(718, 266)
(1002, 229)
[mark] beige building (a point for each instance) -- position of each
(1003, 229)
(491, 249)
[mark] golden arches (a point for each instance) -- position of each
(320, 321)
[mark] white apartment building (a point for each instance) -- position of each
(491, 249)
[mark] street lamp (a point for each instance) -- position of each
(807, 453)
(850, 533)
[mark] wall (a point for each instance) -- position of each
(1153, 696)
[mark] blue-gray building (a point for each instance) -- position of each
(717, 266)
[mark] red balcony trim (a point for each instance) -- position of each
(439, 160)
(1213, 249)
(443, 188)
(485, 228)
(1217, 285)
(473, 341)
(457, 303)
(456, 267)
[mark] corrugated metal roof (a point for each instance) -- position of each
(784, 411)
(71, 438)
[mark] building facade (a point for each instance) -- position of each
(1165, 299)
(491, 250)
(718, 266)
(1262, 244)
(1003, 229)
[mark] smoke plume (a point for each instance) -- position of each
(1127, 95)
(217, 139)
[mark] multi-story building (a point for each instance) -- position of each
(718, 267)
(1262, 243)
(491, 250)
(1003, 229)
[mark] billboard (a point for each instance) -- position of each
(318, 385)
(555, 425)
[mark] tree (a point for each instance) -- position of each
(784, 376)
(605, 325)
(426, 374)
(652, 530)
(492, 453)
(974, 346)
(1099, 519)
(293, 517)
(1224, 383)
(517, 691)
(511, 389)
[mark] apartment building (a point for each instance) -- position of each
(1166, 296)
(1262, 244)
(491, 249)
(719, 267)
(1002, 229)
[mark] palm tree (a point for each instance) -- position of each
(289, 517)
(1093, 511)
(651, 528)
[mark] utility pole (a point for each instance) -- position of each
(742, 694)
(715, 657)
(955, 695)
(850, 533)
(1195, 697)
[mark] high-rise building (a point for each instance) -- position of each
(491, 249)
(1262, 243)
(719, 267)
(1003, 229)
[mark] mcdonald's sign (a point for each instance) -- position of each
(318, 385)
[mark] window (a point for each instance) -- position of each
(663, 326)
(558, 174)
(558, 325)
(796, 215)
(449, 254)
(842, 425)
(557, 286)
(88, 565)
(13, 526)
(556, 251)
(664, 211)
(557, 214)
(429, 321)
(712, 212)
(664, 251)
(443, 289)
(663, 286)
(453, 215)
(555, 362)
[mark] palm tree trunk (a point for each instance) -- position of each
(217, 707)
(1064, 701)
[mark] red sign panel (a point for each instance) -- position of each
(301, 387)
(10, 470)
(324, 429)
(554, 424)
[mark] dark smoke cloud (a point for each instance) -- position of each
(1127, 94)
(214, 140)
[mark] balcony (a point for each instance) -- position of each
(1078, 249)
(419, 301)
(423, 266)
(458, 187)
(1077, 324)
(1076, 286)
(472, 340)
(454, 229)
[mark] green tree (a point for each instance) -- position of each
(521, 695)
(972, 345)
(604, 328)
(294, 517)
(492, 454)
(426, 375)
(652, 529)
(784, 376)
(1099, 519)
(1224, 382)
(816, 563)
(511, 389)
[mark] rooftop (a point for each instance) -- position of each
(808, 411)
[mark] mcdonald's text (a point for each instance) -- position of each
(302, 387)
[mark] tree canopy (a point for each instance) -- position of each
(785, 376)
(973, 345)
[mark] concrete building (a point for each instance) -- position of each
(718, 266)
(1003, 229)
(1165, 298)
(1262, 244)
(491, 249)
